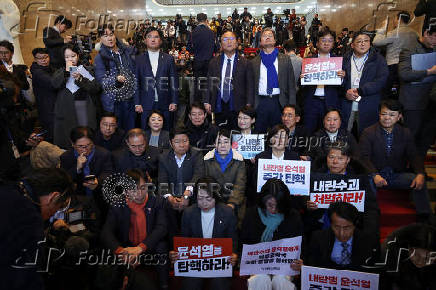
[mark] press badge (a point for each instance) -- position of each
(356, 82)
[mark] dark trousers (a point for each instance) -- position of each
(413, 120)
(402, 180)
(268, 112)
(226, 118)
(125, 112)
(428, 130)
(199, 69)
(314, 110)
(392, 87)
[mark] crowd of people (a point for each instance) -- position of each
(161, 109)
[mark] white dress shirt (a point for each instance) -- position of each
(263, 79)
(223, 70)
(154, 60)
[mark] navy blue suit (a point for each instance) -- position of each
(202, 44)
(166, 83)
(374, 76)
(315, 107)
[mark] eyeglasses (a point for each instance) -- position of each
(83, 146)
(153, 36)
(229, 38)
(287, 116)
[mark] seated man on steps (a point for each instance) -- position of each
(387, 149)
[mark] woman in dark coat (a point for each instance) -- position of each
(272, 219)
(77, 97)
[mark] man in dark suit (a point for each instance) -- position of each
(386, 149)
(202, 45)
(137, 229)
(230, 83)
(109, 135)
(415, 91)
(177, 167)
(319, 98)
(23, 210)
(137, 154)
(341, 246)
(331, 132)
(274, 82)
(157, 80)
(45, 94)
(298, 134)
(54, 41)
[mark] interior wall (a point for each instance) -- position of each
(355, 14)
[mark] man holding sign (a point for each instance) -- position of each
(341, 178)
(319, 97)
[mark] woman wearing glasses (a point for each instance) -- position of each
(77, 98)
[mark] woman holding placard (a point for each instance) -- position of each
(272, 219)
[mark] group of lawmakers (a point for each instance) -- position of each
(257, 96)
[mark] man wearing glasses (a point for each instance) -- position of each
(319, 98)
(43, 90)
(157, 80)
(137, 154)
(230, 83)
(366, 74)
(114, 70)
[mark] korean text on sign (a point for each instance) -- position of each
(295, 174)
(248, 145)
(270, 258)
(203, 257)
(321, 278)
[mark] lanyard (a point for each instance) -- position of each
(359, 70)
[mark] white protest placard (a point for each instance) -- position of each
(294, 173)
(249, 145)
(324, 199)
(270, 258)
(329, 188)
(205, 258)
(322, 278)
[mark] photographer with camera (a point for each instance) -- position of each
(268, 16)
(23, 209)
(54, 42)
